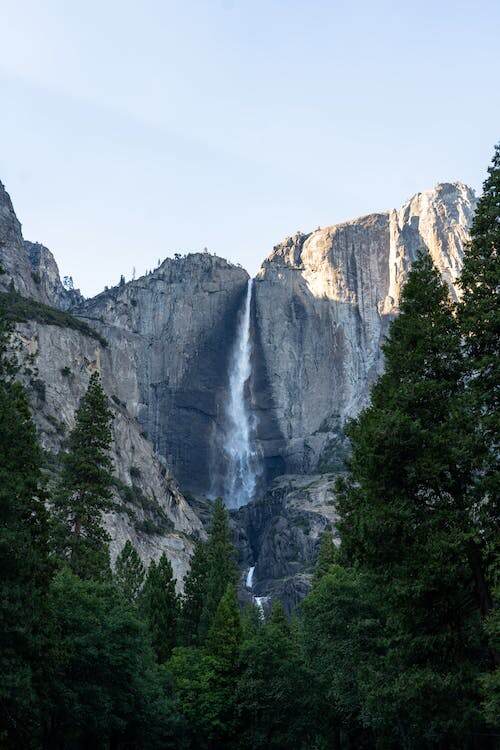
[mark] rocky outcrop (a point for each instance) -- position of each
(177, 326)
(321, 307)
(153, 513)
(323, 302)
(279, 535)
(28, 267)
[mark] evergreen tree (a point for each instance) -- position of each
(342, 634)
(160, 604)
(328, 555)
(405, 519)
(274, 697)
(221, 568)
(251, 621)
(84, 490)
(23, 557)
(479, 316)
(106, 689)
(129, 572)
(224, 636)
(479, 310)
(195, 583)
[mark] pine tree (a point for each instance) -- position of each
(129, 572)
(160, 605)
(24, 562)
(106, 689)
(328, 555)
(273, 690)
(405, 518)
(223, 645)
(224, 637)
(195, 584)
(221, 568)
(84, 490)
(479, 316)
(479, 310)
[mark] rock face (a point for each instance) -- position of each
(29, 268)
(279, 535)
(323, 302)
(321, 307)
(177, 325)
(154, 514)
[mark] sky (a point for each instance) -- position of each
(133, 130)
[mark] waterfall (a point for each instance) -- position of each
(241, 458)
(249, 581)
(259, 601)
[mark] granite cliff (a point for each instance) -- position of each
(323, 302)
(320, 309)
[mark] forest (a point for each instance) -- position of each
(397, 645)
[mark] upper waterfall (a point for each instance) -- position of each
(242, 460)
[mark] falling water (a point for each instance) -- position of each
(259, 601)
(241, 467)
(249, 580)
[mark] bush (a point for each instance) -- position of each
(20, 309)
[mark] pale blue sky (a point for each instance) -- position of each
(131, 130)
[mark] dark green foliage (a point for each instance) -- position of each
(195, 584)
(221, 568)
(201, 703)
(251, 621)
(205, 679)
(342, 632)
(490, 682)
(156, 520)
(224, 637)
(479, 316)
(406, 521)
(23, 557)
(160, 605)
(21, 309)
(274, 698)
(480, 281)
(328, 555)
(84, 489)
(129, 572)
(105, 686)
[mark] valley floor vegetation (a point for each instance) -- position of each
(396, 646)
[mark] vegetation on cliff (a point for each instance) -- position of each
(395, 647)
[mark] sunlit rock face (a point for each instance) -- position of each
(28, 267)
(323, 302)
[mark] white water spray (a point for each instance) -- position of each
(249, 580)
(241, 474)
(259, 601)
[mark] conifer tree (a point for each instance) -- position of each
(273, 695)
(479, 310)
(84, 490)
(195, 583)
(129, 572)
(24, 562)
(328, 555)
(221, 568)
(404, 514)
(479, 316)
(160, 604)
(224, 636)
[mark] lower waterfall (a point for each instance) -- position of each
(241, 464)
